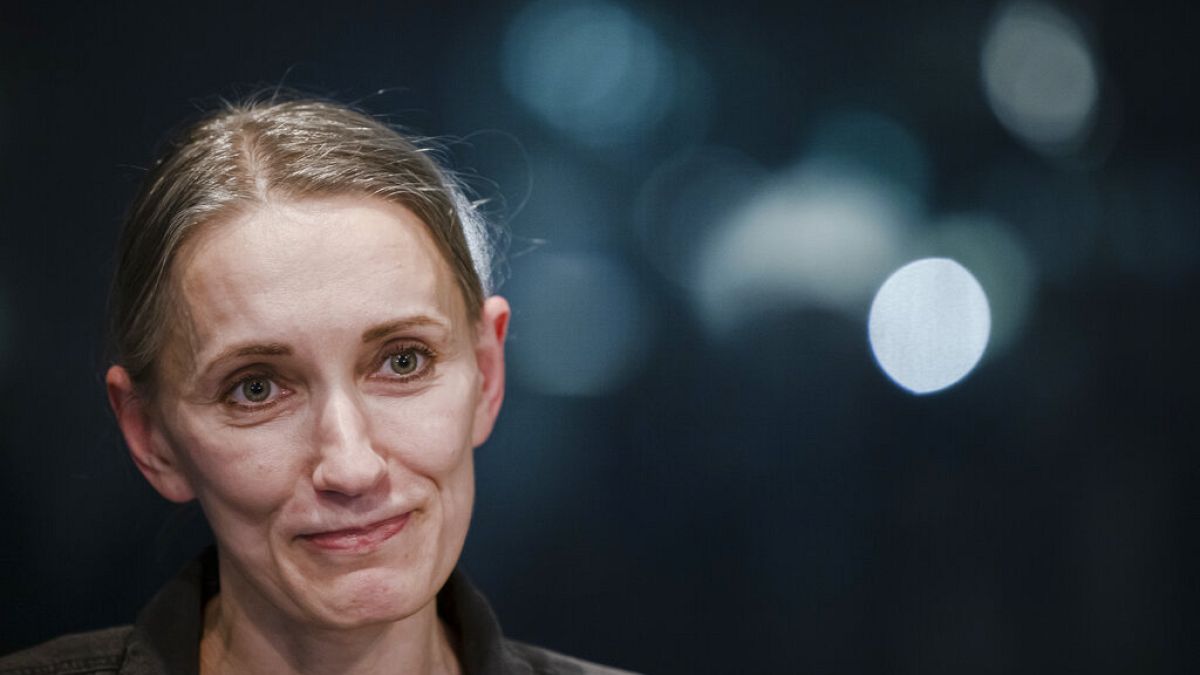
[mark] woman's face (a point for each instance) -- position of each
(322, 403)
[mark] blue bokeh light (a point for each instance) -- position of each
(870, 141)
(591, 69)
(581, 325)
(684, 199)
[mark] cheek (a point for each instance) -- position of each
(428, 434)
(244, 471)
(457, 501)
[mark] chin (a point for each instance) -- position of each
(372, 596)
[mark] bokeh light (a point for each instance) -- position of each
(929, 324)
(588, 68)
(819, 235)
(996, 255)
(684, 199)
(581, 326)
(1040, 76)
(567, 203)
(869, 141)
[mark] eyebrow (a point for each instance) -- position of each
(255, 349)
(371, 334)
(385, 329)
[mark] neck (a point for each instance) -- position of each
(251, 637)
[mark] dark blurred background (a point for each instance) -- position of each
(701, 466)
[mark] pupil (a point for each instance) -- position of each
(255, 390)
(403, 362)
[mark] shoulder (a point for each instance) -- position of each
(545, 662)
(95, 652)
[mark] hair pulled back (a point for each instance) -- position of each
(239, 155)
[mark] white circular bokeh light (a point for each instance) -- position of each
(929, 324)
(998, 259)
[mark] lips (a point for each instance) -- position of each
(358, 539)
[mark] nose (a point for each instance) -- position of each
(347, 462)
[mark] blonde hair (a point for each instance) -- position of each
(292, 148)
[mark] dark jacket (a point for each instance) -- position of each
(165, 639)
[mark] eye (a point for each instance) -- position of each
(254, 391)
(407, 363)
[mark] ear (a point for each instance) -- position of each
(151, 451)
(489, 357)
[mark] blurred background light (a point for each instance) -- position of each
(996, 255)
(567, 203)
(684, 199)
(1040, 77)
(581, 325)
(929, 324)
(590, 69)
(820, 235)
(871, 142)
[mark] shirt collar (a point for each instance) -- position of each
(167, 632)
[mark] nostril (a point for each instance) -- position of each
(348, 462)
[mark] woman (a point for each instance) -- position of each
(305, 344)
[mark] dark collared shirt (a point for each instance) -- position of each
(165, 639)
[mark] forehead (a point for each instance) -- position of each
(312, 269)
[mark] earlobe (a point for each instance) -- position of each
(489, 356)
(148, 446)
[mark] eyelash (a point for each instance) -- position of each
(426, 356)
(277, 392)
